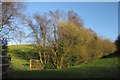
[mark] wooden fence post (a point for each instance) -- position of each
(37, 64)
(30, 63)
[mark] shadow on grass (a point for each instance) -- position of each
(24, 54)
(113, 55)
(83, 72)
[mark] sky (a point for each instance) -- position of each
(101, 17)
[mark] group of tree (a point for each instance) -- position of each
(60, 38)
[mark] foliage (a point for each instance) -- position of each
(86, 45)
(4, 50)
(117, 42)
(4, 46)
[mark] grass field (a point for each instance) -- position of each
(100, 68)
(20, 56)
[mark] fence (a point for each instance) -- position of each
(4, 65)
(35, 64)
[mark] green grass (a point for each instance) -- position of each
(99, 68)
(20, 56)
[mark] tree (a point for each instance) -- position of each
(71, 40)
(39, 32)
(73, 17)
(55, 18)
(42, 29)
(43, 24)
(59, 45)
(19, 36)
(117, 42)
(10, 13)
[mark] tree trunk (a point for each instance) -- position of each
(45, 58)
(61, 63)
(41, 58)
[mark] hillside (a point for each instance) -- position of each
(105, 67)
(21, 54)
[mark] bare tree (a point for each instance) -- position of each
(55, 18)
(42, 28)
(11, 12)
(73, 17)
(43, 24)
(19, 36)
(39, 31)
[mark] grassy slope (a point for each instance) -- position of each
(107, 67)
(19, 56)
